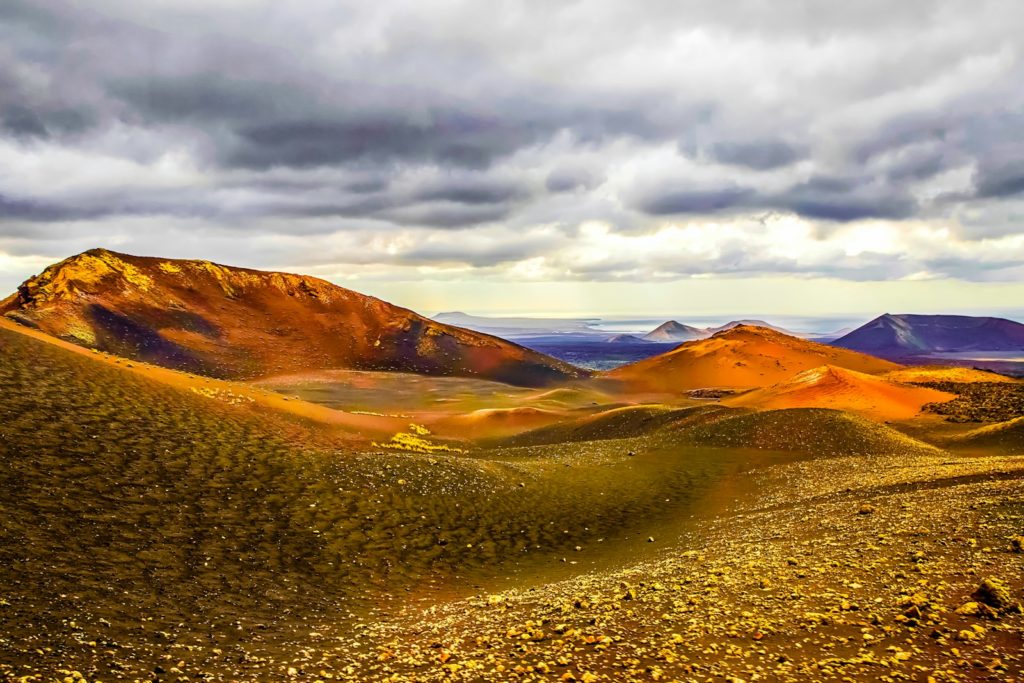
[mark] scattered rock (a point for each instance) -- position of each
(994, 593)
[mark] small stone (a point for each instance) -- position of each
(969, 609)
(866, 509)
(977, 609)
(994, 593)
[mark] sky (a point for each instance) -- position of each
(574, 158)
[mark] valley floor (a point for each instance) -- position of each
(842, 568)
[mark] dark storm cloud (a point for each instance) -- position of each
(695, 201)
(844, 199)
(918, 163)
(761, 156)
(470, 191)
(23, 123)
(901, 133)
(15, 209)
(476, 255)
(831, 198)
(446, 214)
(202, 98)
(569, 179)
(1003, 180)
(446, 138)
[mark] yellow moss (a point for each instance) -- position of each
(220, 274)
(66, 278)
(415, 443)
(224, 395)
(129, 272)
(82, 332)
(230, 280)
(169, 267)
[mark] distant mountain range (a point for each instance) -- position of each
(678, 332)
(239, 323)
(907, 335)
(575, 330)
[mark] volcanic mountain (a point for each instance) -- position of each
(626, 339)
(749, 323)
(673, 331)
(239, 323)
(829, 386)
(741, 357)
(897, 336)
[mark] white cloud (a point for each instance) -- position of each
(479, 142)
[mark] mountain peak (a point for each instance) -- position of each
(747, 329)
(241, 323)
(743, 356)
(673, 330)
(906, 335)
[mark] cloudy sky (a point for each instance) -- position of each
(599, 157)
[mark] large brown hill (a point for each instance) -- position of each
(842, 389)
(239, 323)
(742, 357)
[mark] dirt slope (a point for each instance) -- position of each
(934, 373)
(239, 323)
(833, 387)
(823, 432)
(620, 423)
(1004, 436)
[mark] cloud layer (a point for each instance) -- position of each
(580, 142)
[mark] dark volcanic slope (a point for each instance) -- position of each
(909, 335)
(240, 323)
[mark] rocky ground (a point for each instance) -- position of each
(845, 569)
(877, 571)
(979, 401)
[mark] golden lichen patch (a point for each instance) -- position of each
(220, 274)
(67, 279)
(169, 267)
(224, 395)
(414, 441)
(81, 332)
(128, 272)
